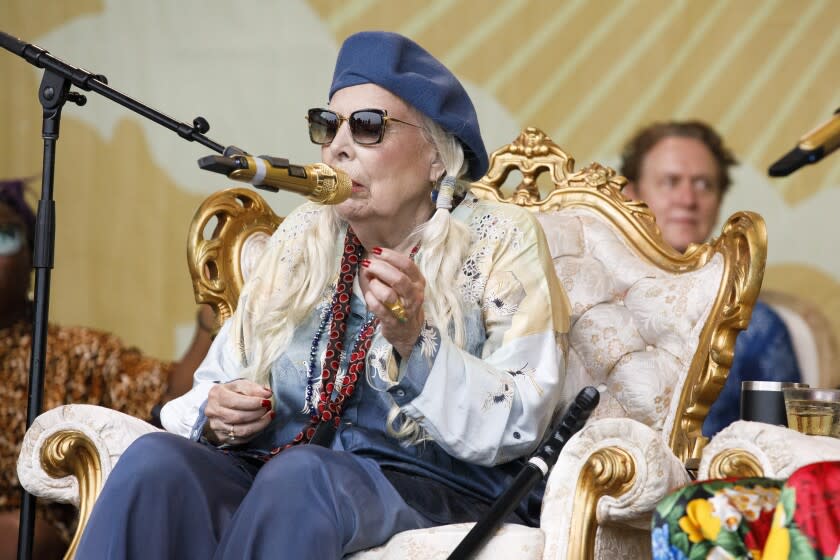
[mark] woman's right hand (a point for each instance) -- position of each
(237, 411)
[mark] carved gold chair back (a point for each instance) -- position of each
(594, 192)
(226, 237)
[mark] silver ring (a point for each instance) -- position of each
(231, 434)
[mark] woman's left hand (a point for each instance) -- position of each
(393, 278)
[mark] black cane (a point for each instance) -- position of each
(537, 467)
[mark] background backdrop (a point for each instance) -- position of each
(589, 73)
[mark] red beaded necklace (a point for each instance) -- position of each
(326, 418)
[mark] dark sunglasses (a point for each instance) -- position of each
(367, 126)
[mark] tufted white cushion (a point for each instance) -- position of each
(602, 336)
(634, 327)
(643, 383)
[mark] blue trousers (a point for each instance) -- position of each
(169, 497)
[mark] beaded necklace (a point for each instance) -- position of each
(325, 417)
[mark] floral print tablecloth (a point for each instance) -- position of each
(753, 518)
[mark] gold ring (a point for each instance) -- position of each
(231, 434)
(398, 310)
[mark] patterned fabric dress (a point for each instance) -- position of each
(82, 366)
(753, 518)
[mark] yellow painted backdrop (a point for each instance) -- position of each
(589, 73)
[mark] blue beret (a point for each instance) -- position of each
(407, 70)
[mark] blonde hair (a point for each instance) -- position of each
(444, 243)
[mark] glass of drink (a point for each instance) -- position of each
(813, 411)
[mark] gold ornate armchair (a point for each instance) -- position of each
(653, 329)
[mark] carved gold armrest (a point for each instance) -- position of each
(614, 471)
(68, 453)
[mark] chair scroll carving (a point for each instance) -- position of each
(220, 263)
(744, 241)
(72, 453)
(735, 463)
(608, 472)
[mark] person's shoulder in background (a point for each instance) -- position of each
(766, 345)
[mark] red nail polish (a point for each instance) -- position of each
(377, 250)
(273, 414)
(266, 404)
(365, 263)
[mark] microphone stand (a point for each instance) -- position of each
(53, 92)
(537, 467)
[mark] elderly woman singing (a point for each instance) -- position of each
(389, 363)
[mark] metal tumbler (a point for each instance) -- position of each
(764, 401)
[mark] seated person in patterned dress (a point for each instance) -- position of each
(83, 366)
(680, 169)
(366, 383)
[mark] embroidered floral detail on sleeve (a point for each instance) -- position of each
(502, 397)
(470, 201)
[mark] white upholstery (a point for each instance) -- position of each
(634, 327)
(657, 471)
(510, 541)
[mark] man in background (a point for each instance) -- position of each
(680, 169)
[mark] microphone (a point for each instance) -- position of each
(811, 148)
(534, 470)
(319, 182)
